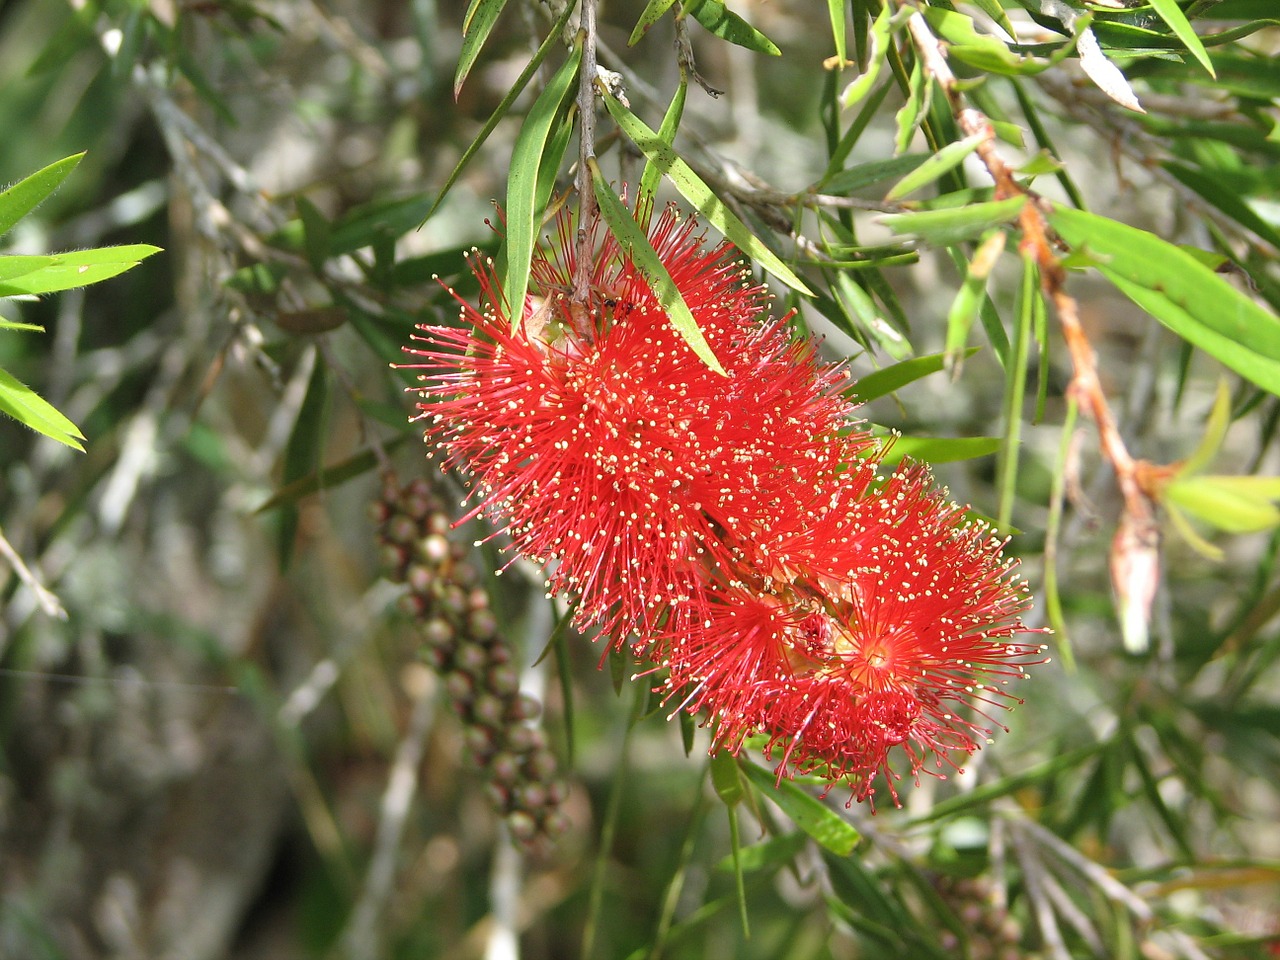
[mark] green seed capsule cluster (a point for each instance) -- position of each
(461, 642)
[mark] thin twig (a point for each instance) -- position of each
(48, 601)
(362, 939)
(583, 265)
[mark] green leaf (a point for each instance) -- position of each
(940, 449)
(372, 223)
(551, 41)
(691, 187)
(970, 297)
(78, 268)
(859, 305)
(28, 407)
(727, 778)
(946, 159)
(523, 219)
(953, 224)
(24, 327)
(476, 27)
(1226, 200)
(808, 813)
(1215, 431)
(864, 174)
(19, 266)
(892, 378)
(727, 25)
(1171, 14)
(27, 194)
(315, 232)
(651, 14)
(1233, 504)
(772, 854)
(303, 451)
(979, 50)
(835, 12)
(919, 96)
(667, 133)
(859, 88)
(1181, 293)
(637, 246)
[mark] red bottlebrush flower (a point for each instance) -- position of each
(897, 636)
(609, 448)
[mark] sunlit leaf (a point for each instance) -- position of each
(947, 226)
(77, 269)
(945, 160)
(651, 14)
(879, 36)
(27, 194)
(636, 244)
(478, 24)
(892, 378)
(28, 407)
(527, 157)
(1172, 14)
(693, 189)
(1181, 293)
(808, 813)
(718, 19)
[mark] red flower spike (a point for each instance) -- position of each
(610, 449)
(898, 637)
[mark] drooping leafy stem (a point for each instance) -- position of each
(1134, 556)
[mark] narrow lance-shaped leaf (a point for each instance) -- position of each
(551, 41)
(481, 17)
(651, 14)
(693, 189)
(19, 266)
(667, 132)
(879, 35)
(26, 406)
(25, 195)
(808, 813)
(78, 268)
(1180, 292)
(946, 159)
(952, 224)
(968, 302)
(727, 25)
(634, 240)
(892, 378)
(835, 10)
(523, 220)
(1171, 14)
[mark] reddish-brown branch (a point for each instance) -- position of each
(1134, 555)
